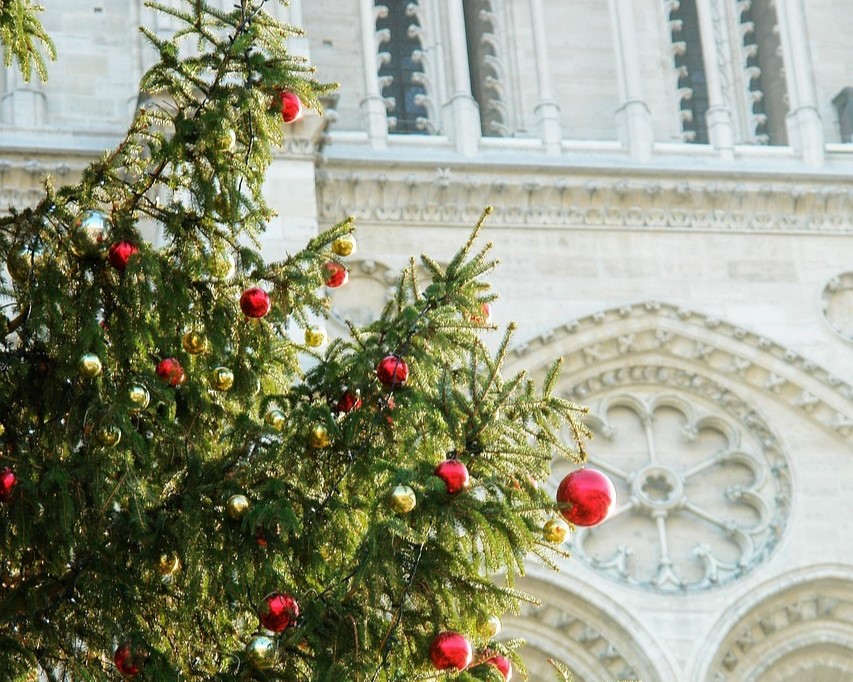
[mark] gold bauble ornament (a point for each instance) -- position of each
(139, 397)
(275, 419)
(89, 365)
(2, 429)
(402, 499)
(260, 652)
(319, 437)
(490, 627)
(222, 378)
(109, 436)
(23, 259)
(220, 264)
(315, 337)
(91, 231)
(237, 506)
(226, 141)
(168, 565)
(344, 246)
(555, 530)
(194, 342)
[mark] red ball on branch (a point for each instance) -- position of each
(586, 497)
(335, 275)
(120, 253)
(348, 402)
(127, 663)
(392, 371)
(291, 107)
(170, 370)
(454, 474)
(255, 302)
(8, 481)
(503, 664)
(278, 612)
(450, 651)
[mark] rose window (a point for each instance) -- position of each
(702, 493)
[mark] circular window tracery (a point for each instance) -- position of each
(702, 489)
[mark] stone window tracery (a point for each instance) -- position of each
(484, 61)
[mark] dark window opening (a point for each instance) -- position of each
(694, 72)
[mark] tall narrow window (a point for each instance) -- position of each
(485, 66)
(690, 65)
(401, 72)
(767, 96)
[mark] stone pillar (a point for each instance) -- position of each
(373, 105)
(719, 115)
(464, 111)
(547, 111)
(22, 104)
(635, 117)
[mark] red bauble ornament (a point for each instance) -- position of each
(170, 370)
(589, 497)
(291, 107)
(8, 481)
(278, 612)
(120, 253)
(503, 664)
(450, 651)
(255, 302)
(454, 474)
(349, 401)
(392, 371)
(335, 275)
(127, 664)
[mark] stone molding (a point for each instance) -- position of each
(837, 304)
(579, 198)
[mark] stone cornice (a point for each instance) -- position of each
(417, 193)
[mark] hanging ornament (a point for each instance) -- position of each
(24, 259)
(315, 337)
(139, 397)
(220, 263)
(2, 429)
(275, 419)
(348, 402)
(344, 246)
(221, 379)
(402, 499)
(319, 437)
(89, 365)
(109, 436)
(555, 530)
(168, 565)
(278, 612)
(237, 506)
(392, 371)
(586, 497)
(8, 481)
(490, 627)
(335, 275)
(120, 253)
(485, 315)
(503, 664)
(90, 231)
(194, 342)
(255, 302)
(260, 652)
(126, 661)
(170, 370)
(226, 141)
(450, 651)
(291, 107)
(454, 474)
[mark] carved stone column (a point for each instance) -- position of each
(372, 106)
(463, 108)
(548, 111)
(719, 115)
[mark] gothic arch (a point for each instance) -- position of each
(790, 628)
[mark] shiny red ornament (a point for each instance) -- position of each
(450, 651)
(255, 302)
(348, 402)
(127, 664)
(278, 612)
(120, 253)
(454, 474)
(291, 107)
(170, 370)
(586, 497)
(392, 371)
(485, 315)
(335, 275)
(8, 481)
(503, 664)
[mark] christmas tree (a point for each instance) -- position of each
(194, 483)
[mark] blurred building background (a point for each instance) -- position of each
(673, 184)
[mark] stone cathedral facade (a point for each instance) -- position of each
(673, 185)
